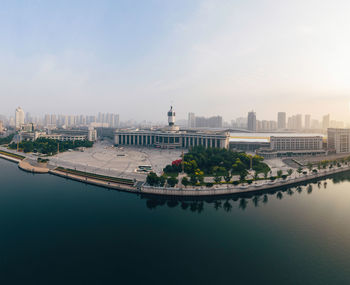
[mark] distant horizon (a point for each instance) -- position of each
(162, 120)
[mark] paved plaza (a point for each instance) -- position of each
(103, 158)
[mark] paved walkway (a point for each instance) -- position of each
(25, 165)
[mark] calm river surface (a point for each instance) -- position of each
(57, 231)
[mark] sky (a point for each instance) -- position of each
(211, 57)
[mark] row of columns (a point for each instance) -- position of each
(186, 142)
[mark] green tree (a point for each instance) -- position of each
(242, 175)
(193, 179)
(217, 178)
(300, 170)
(290, 171)
(279, 173)
(228, 176)
(152, 179)
(185, 182)
(172, 181)
(266, 172)
(162, 180)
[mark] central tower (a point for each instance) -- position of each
(171, 117)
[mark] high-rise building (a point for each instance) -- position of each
(307, 124)
(47, 120)
(281, 120)
(191, 123)
(325, 122)
(252, 121)
(315, 124)
(19, 118)
(299, 122)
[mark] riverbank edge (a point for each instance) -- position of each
(190, 192)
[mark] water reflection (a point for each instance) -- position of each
(240, 201)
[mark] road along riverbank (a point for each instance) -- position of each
(139, 187)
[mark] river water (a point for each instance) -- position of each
(58, 231)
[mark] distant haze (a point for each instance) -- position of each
(136, 58)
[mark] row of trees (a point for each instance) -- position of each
(197, 178)
(49, 146)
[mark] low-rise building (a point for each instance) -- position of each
(61, 135)
(293, 145)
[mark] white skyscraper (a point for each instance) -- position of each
(19, 117)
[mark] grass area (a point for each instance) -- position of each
(96, 176)
(12, 155)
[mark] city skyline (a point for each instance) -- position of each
(209, 57)
(282, 121)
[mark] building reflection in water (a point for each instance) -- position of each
(240, 201)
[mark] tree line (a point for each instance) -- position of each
(49, 146)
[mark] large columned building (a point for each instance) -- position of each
(172, 137)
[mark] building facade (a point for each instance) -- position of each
(338, 140)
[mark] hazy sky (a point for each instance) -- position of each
(135, 58)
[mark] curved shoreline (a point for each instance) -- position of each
(26, 166)
(216, 190)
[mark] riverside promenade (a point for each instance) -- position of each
(140, 187)
(97, 182)
(227, 189)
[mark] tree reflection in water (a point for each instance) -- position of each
(265, 199)
(256, 200)
(299, 189)
(309, 189)
(240, 201)
(243, 204)
(279, 195)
